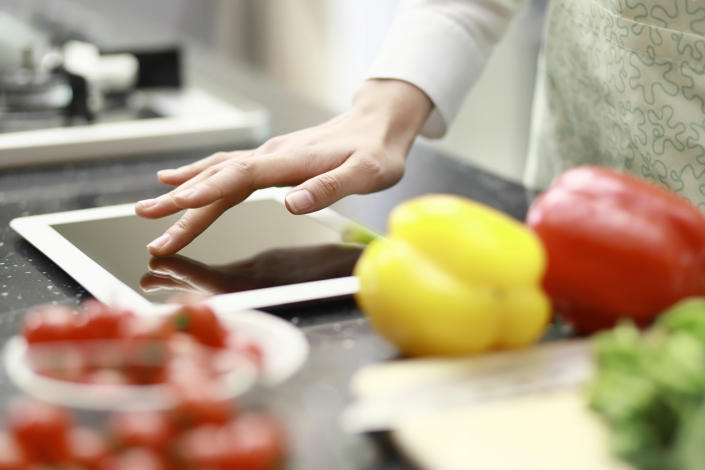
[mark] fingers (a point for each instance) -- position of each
(231, 181)
(179, 267)
(235, 179)
(177, 176)
(185, 176)
(189, 274)
(179, 198)
(153, 282)
(323, 177)
(188, 227)
(357, 175)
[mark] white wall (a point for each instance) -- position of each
(322, 49)
(187, 17)
(492, 129)
(357, 30)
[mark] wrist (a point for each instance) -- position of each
(400, 107)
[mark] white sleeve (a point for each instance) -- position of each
(441, 46)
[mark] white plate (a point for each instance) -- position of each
(283, 345)
(284, 350)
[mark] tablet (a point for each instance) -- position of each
(255, 255)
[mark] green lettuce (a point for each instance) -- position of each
(650, 389)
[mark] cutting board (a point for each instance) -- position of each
(512, 410)
(389, 391)
(549, 431)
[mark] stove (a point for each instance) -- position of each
(64, 98)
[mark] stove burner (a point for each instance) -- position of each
(45, 83)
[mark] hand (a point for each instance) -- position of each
(270, 268)
(360, 151)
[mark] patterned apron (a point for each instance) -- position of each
(622, 84)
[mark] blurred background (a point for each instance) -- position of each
(321, 50)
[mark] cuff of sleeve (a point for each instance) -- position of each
(435, 54)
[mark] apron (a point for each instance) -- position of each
(622, 84)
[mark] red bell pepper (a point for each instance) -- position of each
(617, 247)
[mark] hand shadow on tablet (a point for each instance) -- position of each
(270, 268)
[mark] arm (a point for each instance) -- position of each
(360, 151)
(442, 46)
(433, 54)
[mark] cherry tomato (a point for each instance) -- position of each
(105, 377)
(183, 344)
(40, 429)
(199, 321)
(59, 361)
(255, 353)
(134, 459)
(199, 402)
(188, 357)
(250, 442)
(182, 372)
(202, 447)
(256, 442)
(145, 361)
(101, 321)
(86, 447)
(188, 361)
(11, 454)
(143, 328)
(51, 323)
(148, 429)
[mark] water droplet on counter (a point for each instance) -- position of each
(4, 294)
(295, 320)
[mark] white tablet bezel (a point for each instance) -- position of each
(106, 287)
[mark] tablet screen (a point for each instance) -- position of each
(255, 244)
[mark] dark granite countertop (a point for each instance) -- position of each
(339, 335)
(340, 338)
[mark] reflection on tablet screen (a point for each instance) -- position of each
(253, 245)
(278, 267)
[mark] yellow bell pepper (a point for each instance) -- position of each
(454, 277)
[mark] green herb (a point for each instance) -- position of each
(650, 388)
(181, 321)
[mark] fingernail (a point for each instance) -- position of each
(147, 203)
(167, 172)
(187, 193)
(300, 200)
(159, 242)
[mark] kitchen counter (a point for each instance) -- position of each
(341, 340)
